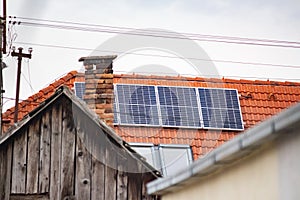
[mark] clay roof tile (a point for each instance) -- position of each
(255, 101)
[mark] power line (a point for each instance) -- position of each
(158, 33)
(162, 31)
(163, 56)
(25, 100)
(28, 82)
(154, 35)
(29, 76)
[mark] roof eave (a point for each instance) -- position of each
(230, 151)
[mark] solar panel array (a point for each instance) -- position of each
(174, 106)
(178, 107)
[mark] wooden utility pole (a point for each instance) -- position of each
(2, 51)
(3, 23)
(1, 78)
(20, 55)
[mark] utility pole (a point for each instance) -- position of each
(20, 55)
(3, 24)
(2, 51)
(1, 78)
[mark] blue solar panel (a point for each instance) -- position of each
(220, 108)
(79, 89)
(137, 104)
(178, 106)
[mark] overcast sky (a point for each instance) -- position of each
(270, 19)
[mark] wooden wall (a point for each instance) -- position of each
(62, 155)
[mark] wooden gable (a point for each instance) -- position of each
(63, 151)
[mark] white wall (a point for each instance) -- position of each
(289, 166)
(254, 177)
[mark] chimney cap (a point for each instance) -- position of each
(90, 58)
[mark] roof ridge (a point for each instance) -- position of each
(211, 79)
(43, 93)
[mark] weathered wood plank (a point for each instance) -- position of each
(97, 180)
(110, 171)
(83, 170)
(5, 171)
(134, 187)
(33, 158)
(146, 178)
(68, 153)
(122, 178)
(56, 121)
(44, 172)
(134, 181)
(94, 141)
(110, 183)
(29, 197)
(18, 182)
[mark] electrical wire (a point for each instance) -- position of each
(12, 36)
(29, 75)
(153, 35)
(160, 31)
(25, 100)
(163, 56)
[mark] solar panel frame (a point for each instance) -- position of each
(124, 106)
(180, 108)
(207, 109)
(116, 107)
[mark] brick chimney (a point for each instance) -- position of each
(99, 92)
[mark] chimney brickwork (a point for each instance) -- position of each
(99, 92)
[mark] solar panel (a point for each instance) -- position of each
(178, 106)
(79, 89)
(137, 104)
(220, 108)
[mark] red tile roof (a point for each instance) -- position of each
(34, 100)
(259, 100)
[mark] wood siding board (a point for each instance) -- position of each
(144, 191)
(97, 180)
(56, 126)
(94, 139)
(134, 186)
(18, 182)
(146, 178)
(68, 153)
(122, 178)
(33, 158)
(110, 171)
(5, 171)
(44, 172)
(83, 170)
(9, 170)
(110, 183)
(134, 180)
